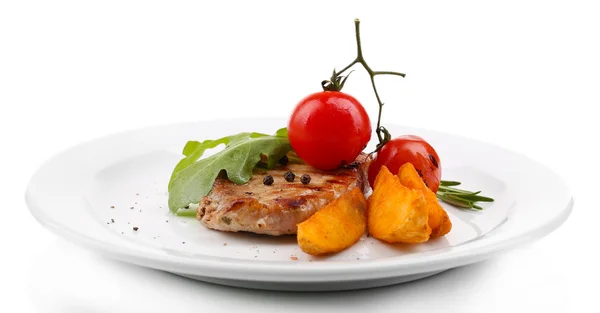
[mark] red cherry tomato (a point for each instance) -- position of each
(328, 129)
(411, 149)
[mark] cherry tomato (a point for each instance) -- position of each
(328, 129)
(413, 149)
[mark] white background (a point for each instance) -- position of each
(521, 74)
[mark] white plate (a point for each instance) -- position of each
(123, 178)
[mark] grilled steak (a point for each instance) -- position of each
(275, 209)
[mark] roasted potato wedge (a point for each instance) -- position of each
(438, 219)
(397, 213)
(335, 227)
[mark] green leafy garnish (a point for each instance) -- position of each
(193, 177)
(458, 197)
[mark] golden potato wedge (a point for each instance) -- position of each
(438, 218)
(397, 213)
(335, 227)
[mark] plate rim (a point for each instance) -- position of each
(301, 272)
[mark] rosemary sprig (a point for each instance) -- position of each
(459, 197)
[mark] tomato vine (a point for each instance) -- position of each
(337, 82)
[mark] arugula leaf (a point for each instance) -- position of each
(193, 178)
(193, 151)
(282, 132)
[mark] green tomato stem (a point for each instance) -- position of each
(454, 196)
(382, 133)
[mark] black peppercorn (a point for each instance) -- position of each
(284, 160)
(305, 179)
(289, 176)
(268, 180)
